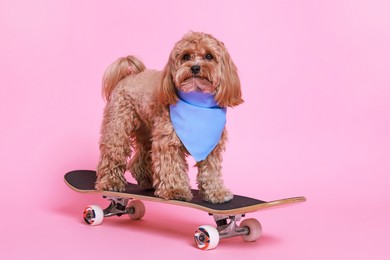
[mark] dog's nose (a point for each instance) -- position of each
(195, 69)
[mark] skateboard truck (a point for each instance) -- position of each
(230, 229)
(117, 207)
(207, 237)
(94, 215)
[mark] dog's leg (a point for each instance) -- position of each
(169, 163)
(210, 182)
(140, 164)
(115, 147)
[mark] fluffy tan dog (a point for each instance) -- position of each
(137, 132)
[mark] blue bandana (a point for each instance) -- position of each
(198, 121)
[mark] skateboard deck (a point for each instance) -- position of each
(84, 181)
(225, 214)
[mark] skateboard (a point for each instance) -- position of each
(226, 215)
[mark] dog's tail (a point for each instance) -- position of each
(118, 70)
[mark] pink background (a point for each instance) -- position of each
(316, 122)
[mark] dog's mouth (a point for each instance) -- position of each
(197, 83)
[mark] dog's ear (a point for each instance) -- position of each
(229, 90)
(166, 93)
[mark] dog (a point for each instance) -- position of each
(138, 131)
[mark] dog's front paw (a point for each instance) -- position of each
(174, 194)
(111, 184)
(218, 196)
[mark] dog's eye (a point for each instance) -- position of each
(209, 56)
(186, 57)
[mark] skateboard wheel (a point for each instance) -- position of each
(93, 215)
(135, 209)
(255, 229)
(206, 237)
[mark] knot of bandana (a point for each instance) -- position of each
(198, 121)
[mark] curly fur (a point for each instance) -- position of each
(137, 134)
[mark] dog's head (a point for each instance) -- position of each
(199, 62)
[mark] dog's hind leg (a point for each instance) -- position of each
(140, 165)
(115, 149)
